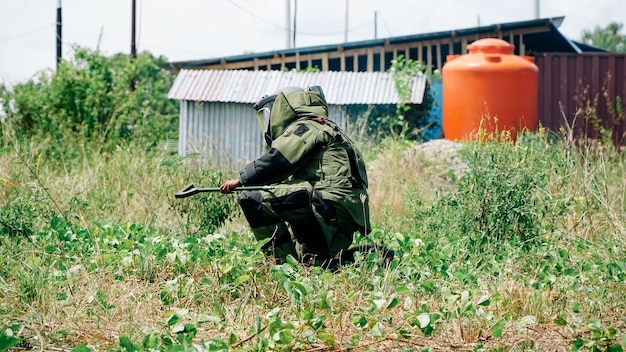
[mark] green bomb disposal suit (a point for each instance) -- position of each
(319, 176)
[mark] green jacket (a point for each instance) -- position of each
(307, 146)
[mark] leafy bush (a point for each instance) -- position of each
(87, 103)
(205, 212)
(503, 197)
(22, 210)
(17, 217)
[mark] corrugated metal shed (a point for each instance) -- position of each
(244, 86)
(217, 119)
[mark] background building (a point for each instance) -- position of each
(572, 75)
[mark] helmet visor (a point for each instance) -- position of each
(263, 117)
(263, 111)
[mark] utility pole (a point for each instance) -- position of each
(375, 24)
(288, 23)
(295, 16)
(59, 34)
(345, 36)
(133, 48)
(537, 9)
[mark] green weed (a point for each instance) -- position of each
(522, 251)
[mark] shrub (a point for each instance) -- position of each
(87, 102)
(503, 197)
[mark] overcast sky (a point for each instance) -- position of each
(200, 29)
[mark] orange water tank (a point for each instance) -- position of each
(489, 89)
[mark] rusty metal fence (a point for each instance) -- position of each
(582, 94)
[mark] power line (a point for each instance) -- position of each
(386, 27)
(356, 28)
(26, 33)
(367, 23)
(255, 16)
(148, 46)
(139, 23)
(423, 14)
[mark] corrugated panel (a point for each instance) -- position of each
(243, 86)
(226, 134)
(223, 134)
(573, 87)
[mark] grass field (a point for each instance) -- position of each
(499, 247)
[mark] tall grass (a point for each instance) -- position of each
(499, 246)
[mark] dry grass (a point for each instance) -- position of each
(128, 187)
(422, 169)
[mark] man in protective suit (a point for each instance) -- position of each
(318, 198)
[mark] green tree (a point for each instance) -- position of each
(608, 38)
(87, 101)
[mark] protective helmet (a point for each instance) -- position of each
(275, 112)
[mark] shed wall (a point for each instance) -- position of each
(226, 134)
(578, 90)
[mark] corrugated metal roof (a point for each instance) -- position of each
(244, 86)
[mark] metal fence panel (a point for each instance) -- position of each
(581, 92)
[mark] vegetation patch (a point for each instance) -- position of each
(525, 250)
